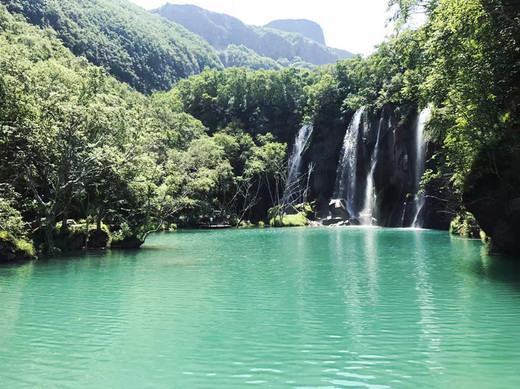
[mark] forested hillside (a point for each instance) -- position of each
(135, 46)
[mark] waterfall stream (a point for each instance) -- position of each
(346, 173)
(420, 165)
(381, 163)
(292, 193)
(366, 216)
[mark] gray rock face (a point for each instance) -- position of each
(393, 175)
(307, 28)
(491, 195)
(338, 208)
(323, 154)
(222, 30)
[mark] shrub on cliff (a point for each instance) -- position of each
(466, 226)
(14, 243)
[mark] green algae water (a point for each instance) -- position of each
(284, 308)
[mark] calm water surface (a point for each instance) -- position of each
(289, 308)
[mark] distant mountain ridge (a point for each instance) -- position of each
(133, 45)
(221, 31)
(307, 28)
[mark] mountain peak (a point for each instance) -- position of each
(307, 28)
(286, 42)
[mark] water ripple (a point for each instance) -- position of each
(296, 308)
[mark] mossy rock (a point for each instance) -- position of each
(127, 243)
(15, 250)
(72, 240)
(298, 220)
(98, 239)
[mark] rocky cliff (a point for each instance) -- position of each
(492, 194)
(392, 168)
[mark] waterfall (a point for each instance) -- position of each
(367, 214)
(346, 173)
(420, 165)
(292, 188)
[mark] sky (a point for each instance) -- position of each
(353, 25)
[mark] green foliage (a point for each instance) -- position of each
(484, 238)
(405, 10)
(25, 245)
(82, 226)
(278, 219)
(257, 102)
(11, 222)
(466, 226)
(70, 240)
(472, 78)
(19, 243)
(135, 46)
(125, 232)
(307, 210)
(13, 228)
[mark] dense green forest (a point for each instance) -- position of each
(76, 143)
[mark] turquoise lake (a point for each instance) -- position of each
(266, 308)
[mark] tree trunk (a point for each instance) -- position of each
(87, 225)
(49, 239)
(64, 227)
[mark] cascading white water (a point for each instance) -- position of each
(292, 188)
(420, 165)
(366, 217)
(346, 174)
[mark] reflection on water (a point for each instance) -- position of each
(371, 254)
(320, 307)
